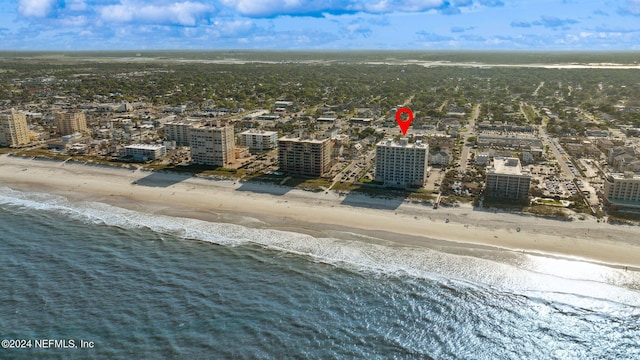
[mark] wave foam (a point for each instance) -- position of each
(347, 253)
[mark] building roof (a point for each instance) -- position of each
(403, 143)
(507, 166)
(258, 132)
(145, 146)
(307, 140)
(628, 175)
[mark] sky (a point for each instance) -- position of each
(319, 24)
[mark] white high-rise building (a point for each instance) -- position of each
(258, 140)
(13, 129)
(212, 145)
(401, 164)
(507, 180)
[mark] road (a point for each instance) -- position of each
(466, 149)
(557, 152)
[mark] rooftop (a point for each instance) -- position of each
(507, 166)
(145, 146)
(307, 140)
(629, 175)
(403, 143)
(258, 132)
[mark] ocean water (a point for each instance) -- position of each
(138, 285)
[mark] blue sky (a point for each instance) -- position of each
(319, 24)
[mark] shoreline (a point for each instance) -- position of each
(459, 230)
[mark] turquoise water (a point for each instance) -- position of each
(149, 286)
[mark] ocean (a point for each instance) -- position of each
(84, 279)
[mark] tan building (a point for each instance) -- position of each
(401, 164)
(506, 180)
(13, 129)
(178, 132)
(212, 145)
(623, 190)
(307, 157)
(71, 122)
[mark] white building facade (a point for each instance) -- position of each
(401, 164)
(623, 189)
(145, 152)
(257, 140)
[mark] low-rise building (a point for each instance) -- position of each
(506, 180)
(441, 158)
(513, 142)
(482, 159)
(145, 152)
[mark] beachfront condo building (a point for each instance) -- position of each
(145, 152)
(506, 180)
(258, 140)
(307, 157)
(71, 122)
(178, 132)
(13, 129)
(402, 164)
(623, 189)
(212, 144)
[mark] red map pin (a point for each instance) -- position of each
(404, 124)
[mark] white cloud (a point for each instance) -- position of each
(633, 7)
(235, 28)
(185, 13)
(384, 6)
(76, 5)
(36, 8)
(271, 8)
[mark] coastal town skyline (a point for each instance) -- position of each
(311, 25)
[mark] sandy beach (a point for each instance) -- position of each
(321, 213)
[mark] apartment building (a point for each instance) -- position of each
(71, 122)
(402, 164)
(307, 157)
(623, 189)
(13, 129)
(212, 144)
(258, 140)
(145, 152)
(178, 132)
(506, 180)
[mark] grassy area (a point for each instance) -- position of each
(549, 211)
(550, 202)
(344, 186)
(200, 170)
(423, 195)
(312, 184)
(623, 217)
(452, 199)
(5, 150)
